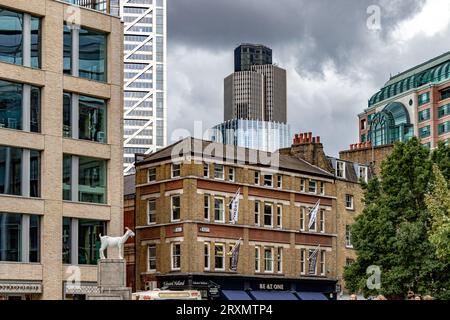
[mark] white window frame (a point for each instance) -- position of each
(150, 258)
(322, 220)
(172, 260)
(315, 186)
(222, 256)
(365, 177)
(348, 237)
(257, 259)
(352, 201)
(302, 218)
(279, 216)
(257, 215)
(173, 170)
(322, 262)
(279, 181)
(321, 187)
(207, 209)
(280, 259)
(338, 171)
(268, 204)
(302, 261)
(302, 185)
(231, 174)
(257, 178)
(205, 170)
(148, 211)
(172, 207)
(207, 256)
(267, 249)
(151, 175)
(268, 182)
(216, 167)
(223, 209)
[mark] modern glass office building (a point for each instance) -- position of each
(145, 112)
(253, 134)
(413, 103)
(61, 167)
(145, 87)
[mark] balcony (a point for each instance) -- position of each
(105, 6)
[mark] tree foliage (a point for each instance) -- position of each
(438, 203)
(392, 232)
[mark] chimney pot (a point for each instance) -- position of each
(318, 139)
(314, 140)
(351, 147)
(301, 138)
(309, 136)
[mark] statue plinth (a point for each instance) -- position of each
(111, 280)
(112, 273)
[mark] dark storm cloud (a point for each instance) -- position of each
(323, 30)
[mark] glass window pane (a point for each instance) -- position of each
(67, 115)
(10, 237)
(10, 170)
(10, 105)
(67, 177)
(92, 121)
(35, 236)
(92, 55)
(35, 110)
(89, 241)
(67, 60)
(92, 180)
(35, 42)
(35, 173)
(66, 240)
(11, 36)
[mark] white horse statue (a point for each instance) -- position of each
(108, 241)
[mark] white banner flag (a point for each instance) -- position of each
(235, 207)
(313, 214)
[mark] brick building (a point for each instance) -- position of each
(183, 229)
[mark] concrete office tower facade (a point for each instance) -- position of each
(145, 98)
(248, 55)
(413, 103)
(61, 176)
(259, 94)
(255, 106)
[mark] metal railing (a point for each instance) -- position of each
(99, 5)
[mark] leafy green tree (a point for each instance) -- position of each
(392, 231)
(438, 203)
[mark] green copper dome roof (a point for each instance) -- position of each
(433, 71)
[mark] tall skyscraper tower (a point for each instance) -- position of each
(255, 106)
(145, 98)
(248, 55)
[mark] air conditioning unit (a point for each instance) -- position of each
(151, 285)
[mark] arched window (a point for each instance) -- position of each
(390, 125)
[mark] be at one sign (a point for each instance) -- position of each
(271, 286)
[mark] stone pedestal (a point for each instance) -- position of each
(111, 280)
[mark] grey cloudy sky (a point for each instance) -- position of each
(333, 60)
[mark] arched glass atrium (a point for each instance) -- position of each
(390, 124)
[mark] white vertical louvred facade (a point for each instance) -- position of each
(145, 98)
